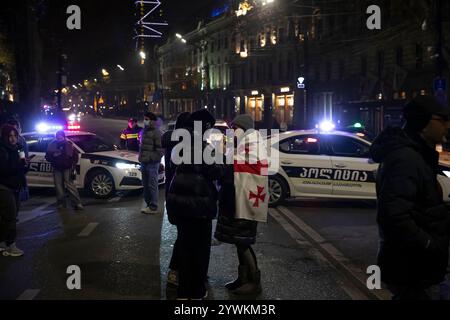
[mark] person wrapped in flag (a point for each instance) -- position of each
(243, 202)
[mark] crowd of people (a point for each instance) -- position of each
(413, 220)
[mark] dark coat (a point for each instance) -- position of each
(62, 155)
(192, 193)
(150, 148)
(414, 223)
(12, 168)
(168, 145)
(229, 229)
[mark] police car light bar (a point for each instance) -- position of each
(73, 127)
(44, 127)
(327, 126)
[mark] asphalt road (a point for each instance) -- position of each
(308, 250)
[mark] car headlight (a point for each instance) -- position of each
(446, 173)
(127, 166)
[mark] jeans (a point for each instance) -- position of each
(150, 173)
(63, 181)
(9, 208)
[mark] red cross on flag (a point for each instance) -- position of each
(250, 179)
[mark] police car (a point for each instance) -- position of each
(329, 164)
(102, 169)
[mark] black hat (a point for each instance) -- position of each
(418, 112)
(203, 115)
(151, 116)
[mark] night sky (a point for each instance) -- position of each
(106, 38)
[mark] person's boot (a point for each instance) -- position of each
(241, 279)
(253, 285)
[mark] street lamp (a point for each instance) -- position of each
(105, 73)
(120, 67)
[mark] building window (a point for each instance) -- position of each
(280, 70)
(419, 56)
(331, 21)
(281, 35)
(399, 56)
(225, 42)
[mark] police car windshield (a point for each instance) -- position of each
(91, 143)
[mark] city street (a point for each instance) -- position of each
(309, 249)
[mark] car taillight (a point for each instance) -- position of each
(73, 127)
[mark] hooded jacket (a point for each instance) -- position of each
(193, 193)
(414, 223)
(12, 169)
(62, 155)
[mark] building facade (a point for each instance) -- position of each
(296, 64)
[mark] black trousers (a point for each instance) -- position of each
(194, 250)
(9, 208)
(174, 261)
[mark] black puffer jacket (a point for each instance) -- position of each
(413, 221)
(229, 229)
(192, 193)
(12, 169)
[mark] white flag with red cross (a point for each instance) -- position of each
(251, 178)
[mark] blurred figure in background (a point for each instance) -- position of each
(129, 139)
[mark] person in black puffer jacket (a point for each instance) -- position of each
(170, 168)
(414, 223)
(239, 232)
(12, 176)
(192, 205)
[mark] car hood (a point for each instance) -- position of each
(119, 154)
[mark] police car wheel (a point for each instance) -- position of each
(277, 190)
(101, 184)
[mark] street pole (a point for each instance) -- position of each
(440, 83)
(62, 78)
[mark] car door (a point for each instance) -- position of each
(40, 173)
(305, 161)
(353, 170)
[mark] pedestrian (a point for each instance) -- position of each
(12, 175)
(63, 157)
(130, 137)
(192, 205)
(233, 227)
(414, 223)
(24, 194)
(170, 168)
(150, 155)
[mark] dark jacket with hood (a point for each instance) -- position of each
(414, 223)
(62, 155)
(193, 193)
(12, 169)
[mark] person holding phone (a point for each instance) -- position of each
(63, 157)
(12, 176)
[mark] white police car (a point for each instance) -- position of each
(102, 169)
(329, 164)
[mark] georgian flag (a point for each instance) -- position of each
(251, 178)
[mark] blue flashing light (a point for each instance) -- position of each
(219, 11)
(45, 127)
(327, 126)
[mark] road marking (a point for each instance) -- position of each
(88, 230)
(115, 199)
(29, 294)
(353, 292)
(25, 216)
(335, 256)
